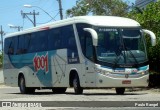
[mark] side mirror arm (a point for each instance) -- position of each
(152, 35)
(94, 35)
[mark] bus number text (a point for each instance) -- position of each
(41, 62)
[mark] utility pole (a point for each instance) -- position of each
(24, 15)
(60, 9)
(2, 33)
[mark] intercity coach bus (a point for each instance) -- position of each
(80, 52)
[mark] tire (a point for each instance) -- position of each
(59, 90)
(23, 88)
(76, 85)
(120, 91)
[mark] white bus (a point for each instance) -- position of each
(80, 52)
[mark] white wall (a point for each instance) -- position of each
(1, 77)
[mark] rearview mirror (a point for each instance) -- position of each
(93, 34)
(152, 35)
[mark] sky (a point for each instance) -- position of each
(10, 12)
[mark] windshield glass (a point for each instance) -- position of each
(120, 46)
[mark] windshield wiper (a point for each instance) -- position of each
(118, 56)
(136, 62)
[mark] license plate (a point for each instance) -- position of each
(126, 82)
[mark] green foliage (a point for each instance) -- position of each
(98, 7)
(150, 19)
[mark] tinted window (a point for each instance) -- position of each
(42, 40)
(7, 45)
(81, 34)
(54, 39)
(69, 41)
(11, 45)
(57, 38)
(26, 42)
(37, 41)
(33, 43)
(14, 45)
(89, 46)
(21, 44)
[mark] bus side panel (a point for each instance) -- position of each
(30, 77)
(10, 73)
(62, 64)
(39, 71)
(58, 68)
(54, 72)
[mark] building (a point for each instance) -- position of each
(143, 3)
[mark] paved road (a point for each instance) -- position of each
(12, 94)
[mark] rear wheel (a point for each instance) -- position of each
(76, 85)
(59, 90)
(23, 88)
(120, 91)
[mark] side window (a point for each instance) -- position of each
(81, 34)
(11, 45)
(54, 39)
(23, 43)
(89, 46)
(27, 39)
(33, 43)
(42, 40)
(14, 45)
(37, 42)
(7, 45)
(20, 49)
(85, 40)
(68, 38)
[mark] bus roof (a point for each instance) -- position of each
(108, 21)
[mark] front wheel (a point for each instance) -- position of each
(76, 85)
(23, 88)
(120, 91)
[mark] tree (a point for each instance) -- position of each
(98, 7)
(150, 19)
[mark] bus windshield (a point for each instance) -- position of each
(121, 45)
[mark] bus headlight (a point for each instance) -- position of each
(104, 72)
(145, 72)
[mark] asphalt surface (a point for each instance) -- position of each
(90, 99)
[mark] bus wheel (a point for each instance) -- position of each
(76, 85)
(59, 90)
(23, 88)
(120, 91)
